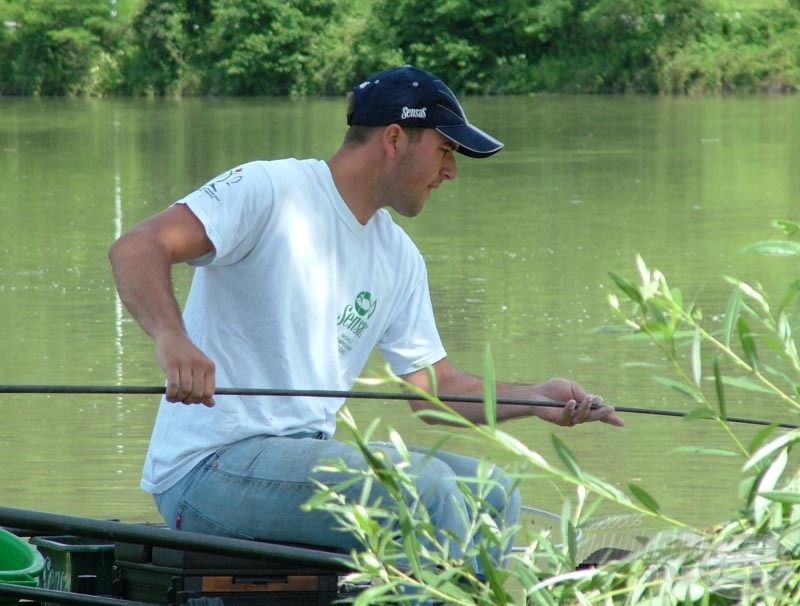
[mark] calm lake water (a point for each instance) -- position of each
(519, 249)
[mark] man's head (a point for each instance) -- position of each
(414, 98)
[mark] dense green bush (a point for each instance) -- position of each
(302, 47)
(53, 46)
(268, 47)
(753, 51)
(156, 62)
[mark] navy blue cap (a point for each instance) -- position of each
(415, 98)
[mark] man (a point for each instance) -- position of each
(301, 272)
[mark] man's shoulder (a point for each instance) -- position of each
(291, 172)
(280, 165)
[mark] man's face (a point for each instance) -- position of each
(421, 167)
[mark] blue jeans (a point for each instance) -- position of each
(254, 489)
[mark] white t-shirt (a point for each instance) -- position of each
(295, 296)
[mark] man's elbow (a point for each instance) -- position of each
(115, 251)
(118, 252)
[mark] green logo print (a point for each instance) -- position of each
(364, 304)
(355, 318)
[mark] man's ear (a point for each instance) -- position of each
(391, 138)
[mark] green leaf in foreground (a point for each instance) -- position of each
(489, 394)
(699, 413)
(706, 450)
(731, 316)
(697, 366)
(747, 341)
(680, 387)
(781, 496)
(781, 248)
(566, 456)
(761, 437)
(644, 497)
(719, 384)
(766, 451)
(628, 288)
(747, 383)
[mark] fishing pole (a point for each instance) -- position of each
(363, 395)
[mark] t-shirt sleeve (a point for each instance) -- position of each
(234, 208)
(412, 340)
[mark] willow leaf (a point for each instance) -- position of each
(568, 530)
(628, 288)
(731, 316)
(686, 390)
(766, 451)
(489, 394)
(747, 489)
(516, 446)
(410, 543)
(699, 413)
(444, 416)
(644, 497)
(697, 365)
(746, 383)
(572, 541)
(677, 298)
(761, 437)
(787, 338)
(781, 496)
(639, 335)
(644, 273)
(493, 576)
(790, 299)
(720, 387)
(566, 456)
(747, 341)
(655, 310)
(755, 295)
(706, 450)
(783, 248)
(769, 478)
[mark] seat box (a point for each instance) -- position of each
(175, 577)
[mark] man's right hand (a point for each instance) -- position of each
(189, 372)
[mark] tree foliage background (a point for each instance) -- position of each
(320, 47)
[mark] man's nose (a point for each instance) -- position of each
(449, 170)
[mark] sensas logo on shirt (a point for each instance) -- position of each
(213, 189)
(355, 319)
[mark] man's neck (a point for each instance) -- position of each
(354, 176)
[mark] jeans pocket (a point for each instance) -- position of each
(193, 520)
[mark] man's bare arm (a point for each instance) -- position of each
(141, 261)
(581, 407)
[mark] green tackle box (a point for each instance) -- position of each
(76, 564)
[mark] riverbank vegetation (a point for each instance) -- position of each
(320, 47)
(747, 350)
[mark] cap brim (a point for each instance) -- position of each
(471, 140)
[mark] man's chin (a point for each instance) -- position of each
(411, 211)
